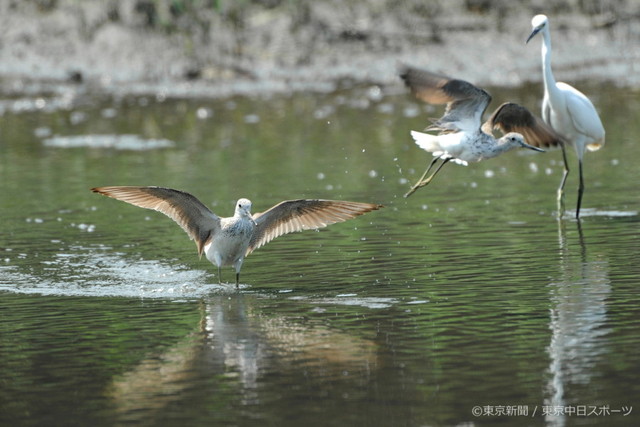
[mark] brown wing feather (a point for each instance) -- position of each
(427, 86)
(296, 215)
(466, 103)
(185, 209)
(510, 117)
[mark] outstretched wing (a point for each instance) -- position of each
(186, 210)
(466, 103)
(296, 215)
(510, 117)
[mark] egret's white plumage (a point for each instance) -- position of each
(227, 241)
(462, 137)
(568, 111)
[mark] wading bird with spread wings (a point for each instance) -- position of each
(227, 241)
(461, 136)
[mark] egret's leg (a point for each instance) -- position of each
(562, 182)
(580, 189)
(220, 275)
(422, 181)
(237, 280)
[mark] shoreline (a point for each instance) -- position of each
(276, 51)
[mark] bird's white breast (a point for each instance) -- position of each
(460, 146)
(230, 244)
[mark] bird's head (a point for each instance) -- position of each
(538, 22)
(515, 139)
(243, 208)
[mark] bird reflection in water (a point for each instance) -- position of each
(578, 314)
(236, 344)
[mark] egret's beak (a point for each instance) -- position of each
(531, 147)
(532, 35)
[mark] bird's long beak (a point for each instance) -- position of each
(532, 35)
(531, 147)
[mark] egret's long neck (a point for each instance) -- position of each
(549, 80)
(547, 74)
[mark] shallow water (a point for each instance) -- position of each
(468, 296)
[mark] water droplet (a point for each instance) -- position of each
(375, 93)
(109, 113)
(42, 132)
(411, 111)
(204, 113)
(251, 118)
(77, 117)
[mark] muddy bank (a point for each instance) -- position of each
(220, 48)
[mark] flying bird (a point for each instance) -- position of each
(462, 137)
(227, 241)
(568, 111)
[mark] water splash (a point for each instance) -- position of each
(91, 272)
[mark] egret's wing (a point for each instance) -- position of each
(510, 117)
(584, 116)
(466, 103)
(193, 216)
(296, 215)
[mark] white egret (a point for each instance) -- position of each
(227, 241)
(568, 111)
(461, 135)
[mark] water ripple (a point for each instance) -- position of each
(118, 142)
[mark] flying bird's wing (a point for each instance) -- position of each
(186, 210)
(510, 117)
(466, 103)
(296, 215)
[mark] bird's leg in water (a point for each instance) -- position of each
(580, 189)
(237, 280)
(422, 181)
(562, 182)
(220, 275)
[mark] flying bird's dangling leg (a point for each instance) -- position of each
(416, 186)
(422, 181)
